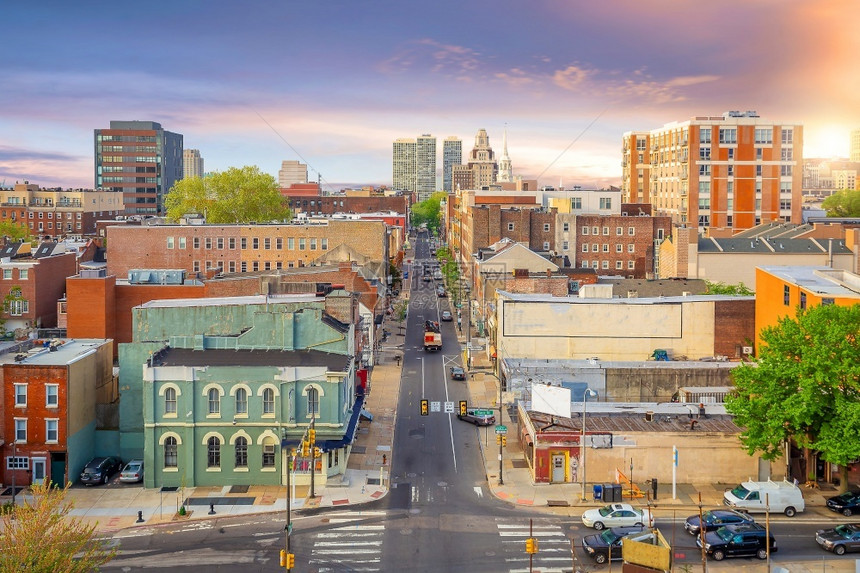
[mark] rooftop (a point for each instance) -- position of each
(232, 301)
(277, 358)
(65, 351)
(819, 279)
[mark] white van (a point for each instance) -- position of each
(761, 496)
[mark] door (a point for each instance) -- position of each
(558, 468)
(763, 469)
(39, 470)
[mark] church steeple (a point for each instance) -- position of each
(505, 168)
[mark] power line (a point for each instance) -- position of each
(281, 137)
(587, 127)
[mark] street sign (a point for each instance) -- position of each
(483, 412)
(449, 407)
(435, 406)
(501, 429)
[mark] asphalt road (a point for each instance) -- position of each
(438, 516)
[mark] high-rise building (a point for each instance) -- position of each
(481, 170)
(192, 163)
(141, 160)
(414, 165)
(292, 172)
(452, 154)
(854, 153)
(733, 171)
(506, 174)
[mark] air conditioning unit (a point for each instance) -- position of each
(747, 349)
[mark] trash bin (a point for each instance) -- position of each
(654, 487)
(609, 493)
(598, 492)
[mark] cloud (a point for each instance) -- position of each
(8, 154)
(428, 55)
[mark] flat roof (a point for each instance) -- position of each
(640, 301)
(232, 301)
(221, 357)
(616, 417)
(818, 279)
(67, 352)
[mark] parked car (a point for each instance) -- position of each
(847, 504)
(841, 539)
(440, 292)
(743, 540)
(100, 470)
(607, 545)
(133, 472)
(457, 373)
(716, 518)
(616, 515)
(473, 418)
(426, 278)
(447, 316)
(761, 496)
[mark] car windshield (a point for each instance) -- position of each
(605, 510)
(608, 536)
(740, 492)
(709, 517)
(724, 534)
(847, 496)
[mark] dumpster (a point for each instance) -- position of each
(598, 492)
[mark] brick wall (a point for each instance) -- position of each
(614, 233)
(331, 205)
(734, 327)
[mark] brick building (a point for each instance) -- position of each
(328, 205)
(615, 245)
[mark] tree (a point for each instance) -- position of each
(844, 203)
(14, 231)
(238, 195)
(739, 289)
(429, 212)
(39, 536)
(803, 386)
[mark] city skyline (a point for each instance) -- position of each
(333, 85)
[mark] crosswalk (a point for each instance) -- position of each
(351, 544)
(553, 554)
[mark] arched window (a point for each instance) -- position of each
(241, 401)
(170, 400)
(241, 452)
(313, 402)
(268, 452)
(268, 401)
(213, 458)
(170, 452)
(214, 401)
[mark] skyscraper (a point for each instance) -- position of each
(192, 163)
(414, 165)
(733, 171)
(452, 154)
(139, 159)
(481, 169)
(292, 172)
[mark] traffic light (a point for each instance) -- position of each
(504, 440)
(312, 435)
(291, 560)
(306, 449)
(283, 560)
(317, 452)
(499, 439)
(531, 545)
(425, 407)
(463, 407)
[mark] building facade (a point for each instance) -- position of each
(139, 159)
(452, 154)
(733, 171)
(414, 165)
(292, 172)
(192, 163)
(854, 146)
(481, 169)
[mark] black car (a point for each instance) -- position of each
(100, 470)
(607, 545)
(840, 539)
(737, 541)
(446, 316)
(847, 504)
(457, 373)
(716, 518)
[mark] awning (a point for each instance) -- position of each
(348, 435)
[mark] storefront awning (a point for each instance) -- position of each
(348, 435)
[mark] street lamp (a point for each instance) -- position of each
(468, 328)
(588, 392)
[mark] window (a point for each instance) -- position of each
(731, 170)
(785, 170)
(268, 401)
(827, 301)
(787, 136)
(606, 202)
(18, 307)
(786, 154)
(231, 243)
(764, 135)
(196, 242)
(268, 453)
(584, 232)
(704, 220)
(20, 394)
(758, 153)
(510, 226)
(52, 431)
(243, 243)
(313, 244)
(786, 295)
(231, 266)
(631, 265)
(169, 242)
(576, 203)
(631, 231)
(301, 244)
(705, 153)
(170, 451)
(241, 452)
(546, 227)
(20, 430)
(279, 243)
(584, 264)
(705, 169)
(219, 242)
(181, 242)
(758, 170)
(208, 243)
(255, 243)
(565, 246)
(52, 398)
(595, 264)
(595, 248)
(313, 401)
(605, 231)
(728, 135)
(619, 248)
(605, 247)
(7, 274)
(243, 267)
(241, 401)
(17, 463)
(546, 245)
(705, 135)
(584, 247)
(267, 243)
(291, 244)
(595, 230)
(604, 264)
(619, 231)
(213, 453)
(619, 265)
(631, 248)
(324, 244)
(255, 266)
(803, 301)
(565, 227)
(704, 187)
(705, 202)
(170, 401)
(214, 401)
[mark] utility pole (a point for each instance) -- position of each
(15, 458)
(312, 440)
(702, 536)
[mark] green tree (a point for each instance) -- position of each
(803, 386)
(844, 203)
(39, 536)
(739, 289)
(238, 195)
(429, 212)
(14, 231)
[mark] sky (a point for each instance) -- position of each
(333, 84)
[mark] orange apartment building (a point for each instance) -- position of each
(733, 171)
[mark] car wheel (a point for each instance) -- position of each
(761, 554)
(105, 479)
(598, 525)
(847, 512)
(719, 555)
(790, 511)
(600, 558)
(839, 550)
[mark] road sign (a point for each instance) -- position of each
(435, 406)
(483, 412)
(501, 429)
(449, 407)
